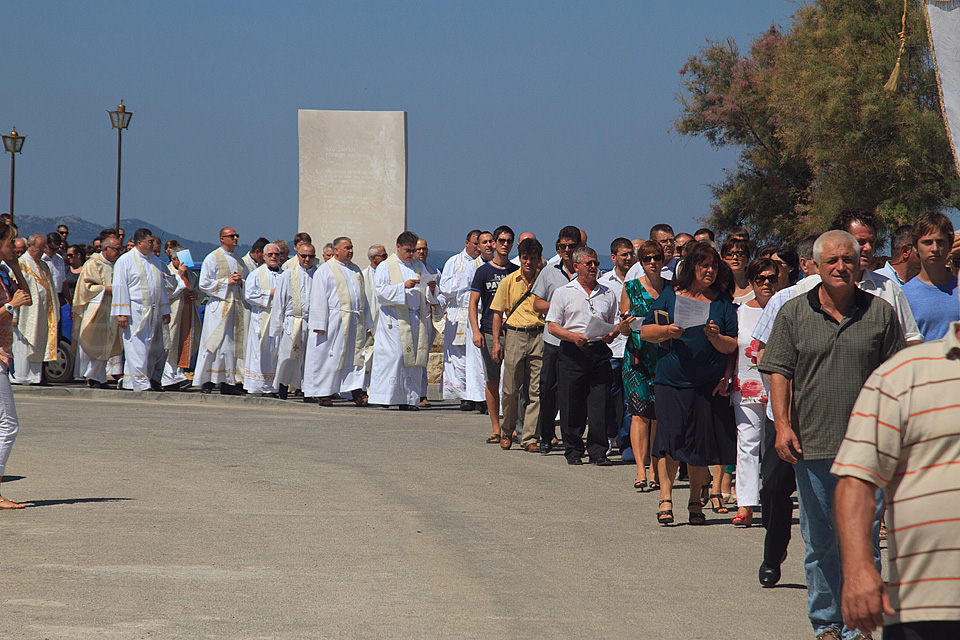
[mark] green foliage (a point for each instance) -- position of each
(816, 130)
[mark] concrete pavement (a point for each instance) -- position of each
(159, 517)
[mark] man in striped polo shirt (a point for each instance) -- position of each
(904, 437)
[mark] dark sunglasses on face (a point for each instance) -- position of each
(736, 254)
(307, 255)
(762, 279)
(230, 235)
(651, 258)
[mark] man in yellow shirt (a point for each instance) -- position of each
(521, 348)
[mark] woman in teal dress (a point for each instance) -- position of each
(640, 360)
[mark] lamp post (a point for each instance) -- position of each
(120, 120)
(12, 144)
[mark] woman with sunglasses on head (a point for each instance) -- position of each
(640, 360)
(695, 421)
(748, 395)
(788, 263)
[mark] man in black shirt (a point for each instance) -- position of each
(482, 290)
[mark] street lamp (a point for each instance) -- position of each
(12, 144)
(120, 120)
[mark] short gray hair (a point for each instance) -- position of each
(33, 237)
(837, 237)
(583, 251)
(336, 241)
(374, 250)
(267, 246)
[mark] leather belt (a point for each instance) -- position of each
(525, 329)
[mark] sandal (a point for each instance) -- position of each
(653, 485)
(10, 504)
(704, 495)
(696, 517)
(743, 519)
(720, 507)
(665, 516)
(494, 439)
(640, 485)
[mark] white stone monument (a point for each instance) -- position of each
(353, 177)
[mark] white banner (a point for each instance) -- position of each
(944, 21)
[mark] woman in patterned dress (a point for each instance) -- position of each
(640, 360)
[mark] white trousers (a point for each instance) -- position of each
(89, 368)
(24, 371)
(9, 426)
(749, 429)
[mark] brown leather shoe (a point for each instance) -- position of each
(362, 401)
(325, 402)
(532, 448)
(506, 441)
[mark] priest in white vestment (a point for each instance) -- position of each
(142, 308)
(290, 318)
(462, 360)
(436, 315)
(339, 324)
(98, 335)
(35, 326)
(221, 340)
(260, 356)
(299, 239)
(401, 350)
(182, 289)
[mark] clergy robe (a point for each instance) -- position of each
(35, 336)
(98, 337)
(140, 294)
(462, 361)
(260, 356)
(374, 305)
(221, 340)
(391, 382)
(184, 325)
(332, 363)
(436, 316)
(289, 322)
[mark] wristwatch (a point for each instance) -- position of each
(9, 308)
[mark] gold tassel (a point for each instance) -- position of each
(894, 79)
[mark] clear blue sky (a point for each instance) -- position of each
(533, 114)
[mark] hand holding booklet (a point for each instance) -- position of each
(426, 279)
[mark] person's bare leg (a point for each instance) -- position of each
(493, 405)
(654, 465)
(698, 479)
(667, 467)
(726, 485)
(640, 443)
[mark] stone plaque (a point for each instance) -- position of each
(353, 177)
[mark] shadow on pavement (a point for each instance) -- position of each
(53, 503)
(12, 478)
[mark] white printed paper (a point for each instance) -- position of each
(690, 313)
(426, 279)
(636, 323)
(597, 328)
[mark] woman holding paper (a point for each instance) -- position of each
(640, 360)
(748, 395)
(697, 339)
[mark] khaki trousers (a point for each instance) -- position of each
(522, 359)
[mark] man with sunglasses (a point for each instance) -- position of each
(550, 279)
(222, 338)
(584, 362)
(260, 354)
(482, 290)
(290, 318)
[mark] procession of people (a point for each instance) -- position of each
(732, 366)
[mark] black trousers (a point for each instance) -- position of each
(584, 388)
(548, 393)
(779, 483)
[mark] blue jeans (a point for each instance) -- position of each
(815, 491)
(616, 389)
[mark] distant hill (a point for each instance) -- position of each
(83, 232)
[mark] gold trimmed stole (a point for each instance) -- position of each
(404, 320)
(231, 304)
(346, 311)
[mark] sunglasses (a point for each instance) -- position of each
(230, 235)
(735, 254)
(761, 279)
(382, 256)
(307, 255)
(651, 258)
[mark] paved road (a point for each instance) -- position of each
(226, 519)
